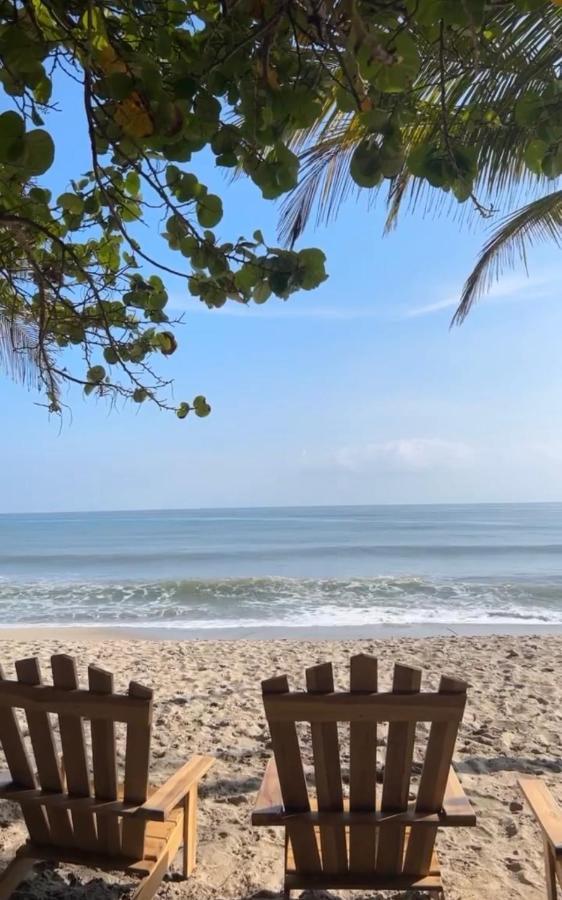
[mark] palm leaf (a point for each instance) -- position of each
(523, 56)
(539, 220)
(19, 350)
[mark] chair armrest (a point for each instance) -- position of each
(161, 803)
(545, 808)
(456, 804)
(269, 801)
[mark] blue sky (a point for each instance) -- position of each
(355, 393)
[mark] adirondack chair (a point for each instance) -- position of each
(367, 841)
(69, 818)
(549, 816)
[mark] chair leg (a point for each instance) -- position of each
(190, 832)
(550, 871)
(151, 882)
(13, 875)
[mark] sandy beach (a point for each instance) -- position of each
(207, 700)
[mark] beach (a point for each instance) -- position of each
(207, 700)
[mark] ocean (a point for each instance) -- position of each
(259, 568)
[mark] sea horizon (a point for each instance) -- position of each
(286, 506)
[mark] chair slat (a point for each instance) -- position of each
(74, 753)
(44, 750)
(287, 754)
(21, 771)
(438, 757)
(105, 764)
(325, 747)
(362, 768)
(397, 771)
(137, 759)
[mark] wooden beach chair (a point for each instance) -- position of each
(71, 818)
(377, 839)
(549, 816)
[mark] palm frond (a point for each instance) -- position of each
(540, 220)
(525, 55)
(19, 350)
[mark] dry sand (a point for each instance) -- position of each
(207, 700)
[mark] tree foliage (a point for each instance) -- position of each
(402, 91)
(479, 123)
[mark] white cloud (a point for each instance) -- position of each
(429, 308)
(507, 288)
(407, 454)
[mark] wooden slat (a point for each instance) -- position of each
(13, 874)
(397, 770)
(346, 707)
(104, 764)
(269, 799)
(545, 808)
(327, 768)
(48, 699)
(161, 803)
(147, 889)
(74, 753)
(287, 753)
(44, 749)
(137, 760)
(190, 832)
(362, 768)
(438, 756)
(363, 880)
(455, 802)
(21, 771)
(382, 820)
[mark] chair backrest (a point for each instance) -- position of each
(371, 843)
(56, 757)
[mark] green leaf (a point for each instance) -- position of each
(206, 107)
(12, 132)
(42, 93)
(71, 203)
(312, 268)
(394, 77)
(110, 356)
(246, 277)
(39, 152)
(535, 152)
(96, 374)
(140, 395)
(209, 211)
(279, 282)
(261, 292)
(552, 162)
(167, 343)
(201, 406)
(132, 183)
(188, 188)
(182, 410)
(528, 109)
(365, 167)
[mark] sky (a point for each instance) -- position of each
(357, 392)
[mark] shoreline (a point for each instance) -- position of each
(180, 634)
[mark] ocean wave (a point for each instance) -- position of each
(116, 557)
(280, 601)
